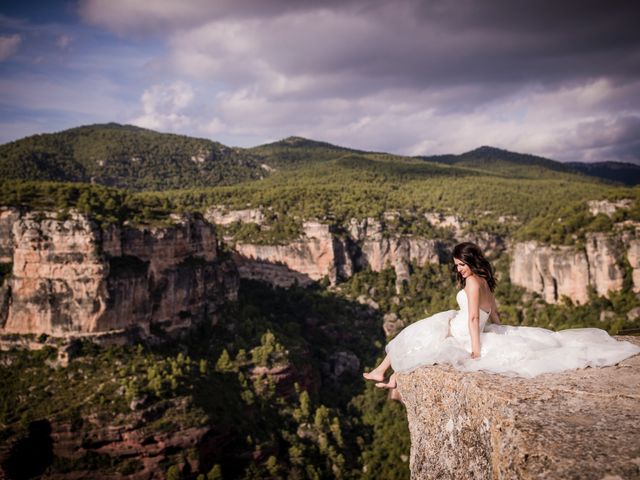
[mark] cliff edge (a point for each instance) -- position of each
(579, 424)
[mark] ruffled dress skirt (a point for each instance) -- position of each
(443, 338)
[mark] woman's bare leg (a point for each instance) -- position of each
(392, 383)
(377, 374)
(395, 395)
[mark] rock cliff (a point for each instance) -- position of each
(556, 271)
(317, 254)
(320, 253)
(70, 276)
(578, 424)
(379, 250)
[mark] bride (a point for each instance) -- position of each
(472, 337)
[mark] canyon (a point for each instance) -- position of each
(551, 271)
(73, 276)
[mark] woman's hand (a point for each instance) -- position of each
(475, 355)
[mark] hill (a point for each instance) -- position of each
(504, 163)
(134, 158)
(626, 173)
(297, 151)
(127, 157)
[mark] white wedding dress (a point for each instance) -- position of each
(443, 338)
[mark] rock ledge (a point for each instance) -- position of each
(580, 424)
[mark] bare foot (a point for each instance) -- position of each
(390, 384)
(373, 375)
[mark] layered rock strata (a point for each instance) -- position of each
(577, 424)
(321, 253)
(379, 250)
(556, 271)
(72, 277)
(633, 256)
(317, 254)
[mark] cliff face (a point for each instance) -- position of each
(380, 251)
(578, 424)
(70, 276)
(321, 253)
(316, 255)
(554, 271)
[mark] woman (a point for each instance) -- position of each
(463, 339)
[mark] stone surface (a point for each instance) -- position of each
(551, 271)
(221, 216)
(379, 250)
(72, 277)
(320, 253)
(316, 255)
(603, 252)
(554, 271)
(581, 424)
(607, 207)
(633, 256)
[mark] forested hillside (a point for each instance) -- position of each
(625, 173)
(127, 157)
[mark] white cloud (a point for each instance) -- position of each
(9, 45)
(370, 75)
(164, 107)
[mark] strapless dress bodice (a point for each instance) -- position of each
(459, 326)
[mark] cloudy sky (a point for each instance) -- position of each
(549, 77)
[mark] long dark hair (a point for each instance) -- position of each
(471, 255)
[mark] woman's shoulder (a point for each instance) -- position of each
(473, 283)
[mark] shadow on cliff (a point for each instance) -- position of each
(321, 343)
(274, 273)
(29, 457)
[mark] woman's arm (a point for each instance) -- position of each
(472, 289)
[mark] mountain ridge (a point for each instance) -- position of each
(136, 158)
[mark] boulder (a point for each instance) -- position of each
(576, 424)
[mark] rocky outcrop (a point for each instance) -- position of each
(367, 243)
(379, 250)
(577, 424)
(556, 271)
(633, 256)
(73, 277)
(320, 253)
(604, 253)
(607, 207)
(221, 216)
(317, 254)
(125, 438)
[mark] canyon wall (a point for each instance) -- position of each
(317, 254)
(321, 253)
(70, 276)
(551, 271)
(556, 271)
(577, 424)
